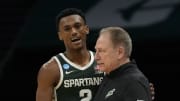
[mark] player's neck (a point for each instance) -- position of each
(80, 57)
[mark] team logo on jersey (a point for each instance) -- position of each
(110, 93)
(69, 72)
(66, 66)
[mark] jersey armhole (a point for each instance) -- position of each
(61, 73)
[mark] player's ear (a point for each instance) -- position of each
(87, 29)
(60, 36)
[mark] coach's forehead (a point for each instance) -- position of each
(104, 40)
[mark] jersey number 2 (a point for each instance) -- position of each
(86, 94)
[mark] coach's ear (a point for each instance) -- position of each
(121, 52)
(60, 36)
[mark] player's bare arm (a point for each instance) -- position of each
(48, 77)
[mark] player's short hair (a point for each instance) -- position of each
(67, 12)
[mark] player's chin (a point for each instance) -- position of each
(78, 46)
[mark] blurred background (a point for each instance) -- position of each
(28, 38)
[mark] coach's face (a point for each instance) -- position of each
(73, 30)
(106, 54)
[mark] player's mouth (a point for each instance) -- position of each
(75, 40)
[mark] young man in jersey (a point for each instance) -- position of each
(70, 76)
(123, 80)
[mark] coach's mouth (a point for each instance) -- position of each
(99, 66)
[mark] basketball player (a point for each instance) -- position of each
(70, 76)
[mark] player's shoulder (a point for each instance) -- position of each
(49, 66)
(48, 72)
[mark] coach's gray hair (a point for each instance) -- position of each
(119, 36)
